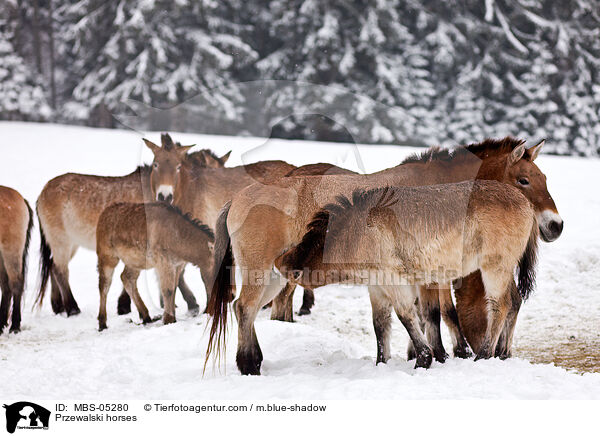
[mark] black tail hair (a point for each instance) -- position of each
(27, 241)
(223, 288)
(527, 265)
(46, 264)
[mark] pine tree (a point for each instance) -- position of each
(21, 98)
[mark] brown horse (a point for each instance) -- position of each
(144, 236)
(263, 221)
(16, 221)
(68, 211)
(423, 235)
(440, 165)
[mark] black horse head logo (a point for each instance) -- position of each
(26, 415)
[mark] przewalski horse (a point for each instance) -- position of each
(144, 236)
(264, 221)
(68, 211)
(16, 221)
(388, 237)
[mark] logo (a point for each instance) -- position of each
(25, 415)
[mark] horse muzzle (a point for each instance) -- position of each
(165, 193)
(551, 225)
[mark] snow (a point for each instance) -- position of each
(327, 355)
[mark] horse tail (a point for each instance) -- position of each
(46, 264)
(527, 264)
(27, 241)
(223, 288)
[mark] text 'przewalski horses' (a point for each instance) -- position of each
(264, 221)
(70, 205)
(16, 221)
(150, 235)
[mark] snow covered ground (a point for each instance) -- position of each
(328, 355)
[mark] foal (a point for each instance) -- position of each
(144, 236)
(420, 236)
(16, 221)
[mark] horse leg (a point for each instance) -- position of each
(55, 298)
(403, 298)
(106, 268)
(411, 353)
(503, 349)
(450, 317)
(13, 283)
(188, 295)
(17, 289)
(167, 278)
(429, 301)
(283, 304)
(124, 304)
(129, 278)
(60, 271)
(497, 302)
(382, 322)
(308, 301)
(255, 294)
(249, 356)
(6, 296)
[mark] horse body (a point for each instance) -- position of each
(144, 236)
(16, 221)
(420, 235)
(263, 221)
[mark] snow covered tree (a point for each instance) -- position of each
(21, 97)
(159, 53)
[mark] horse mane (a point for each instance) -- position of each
(187, 217)
(142, 170)
(376, 201)
(487, 148)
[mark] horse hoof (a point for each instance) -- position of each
(57, 308)
(169, 320)
(303, 311)
(194, 311)
(73, 311)
(441, 357)
(102, 328)
(15, 330)
(462, 353)
(123, 309)
(424, 359)
(248, 364)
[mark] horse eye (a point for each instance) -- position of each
(155, 165)
(523, 181)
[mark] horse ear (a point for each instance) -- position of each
(517, 154)
(152, 146)
(225, 157)
(166, 141)
(182, 150)
(534, 151)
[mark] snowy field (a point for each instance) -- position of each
(327, 355)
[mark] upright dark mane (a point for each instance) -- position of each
(195, 222)
(488, 147)
(313, 241)
(142, 170)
